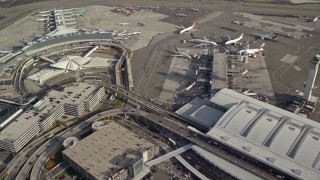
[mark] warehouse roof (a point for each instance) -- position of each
(108, 150)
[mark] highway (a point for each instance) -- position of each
(18, 160)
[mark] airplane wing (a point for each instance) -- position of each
(183, 27)
(200, 45)
(205, 38)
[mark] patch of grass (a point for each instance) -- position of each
(118, 104)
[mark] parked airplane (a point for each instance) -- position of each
(44, 12)
(234, 41)
(123, 33)
(309, 19)
(188, 28)
(195, 9)
(123, 24)
(133, 33)
(252, 52)
(181, 15)
(236, 22)
(182, 54)
(272, 37)
(315, 19)
(202, 42)
(43, 20)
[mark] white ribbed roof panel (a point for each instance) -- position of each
(285, 139)
(272, 135)
(71, 63)
(262, 130)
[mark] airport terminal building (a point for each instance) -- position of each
(73, 100)
(261, 132)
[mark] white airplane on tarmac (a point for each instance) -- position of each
(45, 15)
(43, 20)
(44, 12)
(123, 24)
(181, 15)
(188, 28)
(195, 9)
(202, 42)
(234, 41)
(133, 33)
(252, 52)
(309, 19)
(182, 54)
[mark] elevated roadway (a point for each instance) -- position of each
(168, 155)
(91, 51)
(171, 125)
(190, 168)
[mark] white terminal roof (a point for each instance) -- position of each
(279, 138)
(107, 150)
(53, 100)
(201, 112)
(98, 62)
(71, 63)
(45, 74)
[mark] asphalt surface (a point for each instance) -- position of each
(151, 63)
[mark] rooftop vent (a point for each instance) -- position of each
(246, 148)
(297, 171)
(271, 159)
(292, 128)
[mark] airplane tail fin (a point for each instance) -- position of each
(261, 47)
(241, 36)
(194, 24)
(229, 37)
(182, 27)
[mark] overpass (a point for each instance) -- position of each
(10, 102)
(168, 155)
(91, 51)
(190, 168)
(46, 59)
